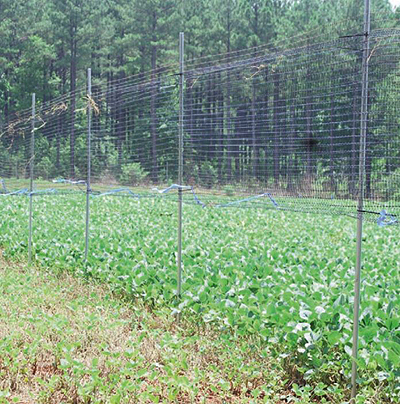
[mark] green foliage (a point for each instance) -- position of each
(208, 175)
(229, 190)
(48, 53)
(132, 174)
(285, 279)
(45, 168)
(389, 183)
(39, 52)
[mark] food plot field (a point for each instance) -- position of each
(283, 278)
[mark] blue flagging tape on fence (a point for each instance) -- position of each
(198, 201)
(272, 200)
(25, 191)
(115, 191)
(183, 188)
(385, 219)
(19, 192)
(44, 192)
(171, 188)
(251, 198)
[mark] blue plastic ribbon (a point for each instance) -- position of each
(272, 200)
(26, 191)
(44, 191)
(172, 187)
(115, 191)
(183, 188)
(251, 198)
(386, 219)
(18, 192)
(198, 201)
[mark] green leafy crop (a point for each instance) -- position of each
(284, 278)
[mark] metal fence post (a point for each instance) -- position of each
(89, 152)
(180, 157)
(363, 141)
(31, 165)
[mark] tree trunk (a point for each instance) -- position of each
(276, 129)
(353, 163)
(291, 139)
(282, 136)
(220, 120)
(332, 138)
(309, 135)
(189, 116)
(153, 106)
(265, 126)
(228, 102)
(368, 159)
(253, 130)
(121, 122)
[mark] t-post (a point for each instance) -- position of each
(89, 152)
(31, 165)
(363, 141)
(180, 165)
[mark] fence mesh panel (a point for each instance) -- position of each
(273, 129)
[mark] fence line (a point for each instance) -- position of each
(281, 125)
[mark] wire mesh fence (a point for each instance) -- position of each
(274, 129)
(258, 128)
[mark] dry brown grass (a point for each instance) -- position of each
(66, 341)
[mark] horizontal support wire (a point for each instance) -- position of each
(258, 123)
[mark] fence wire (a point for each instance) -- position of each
(264, 128)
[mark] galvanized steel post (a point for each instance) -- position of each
(31, 165)
(180, 163)
(363, 144)
(89, 152)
